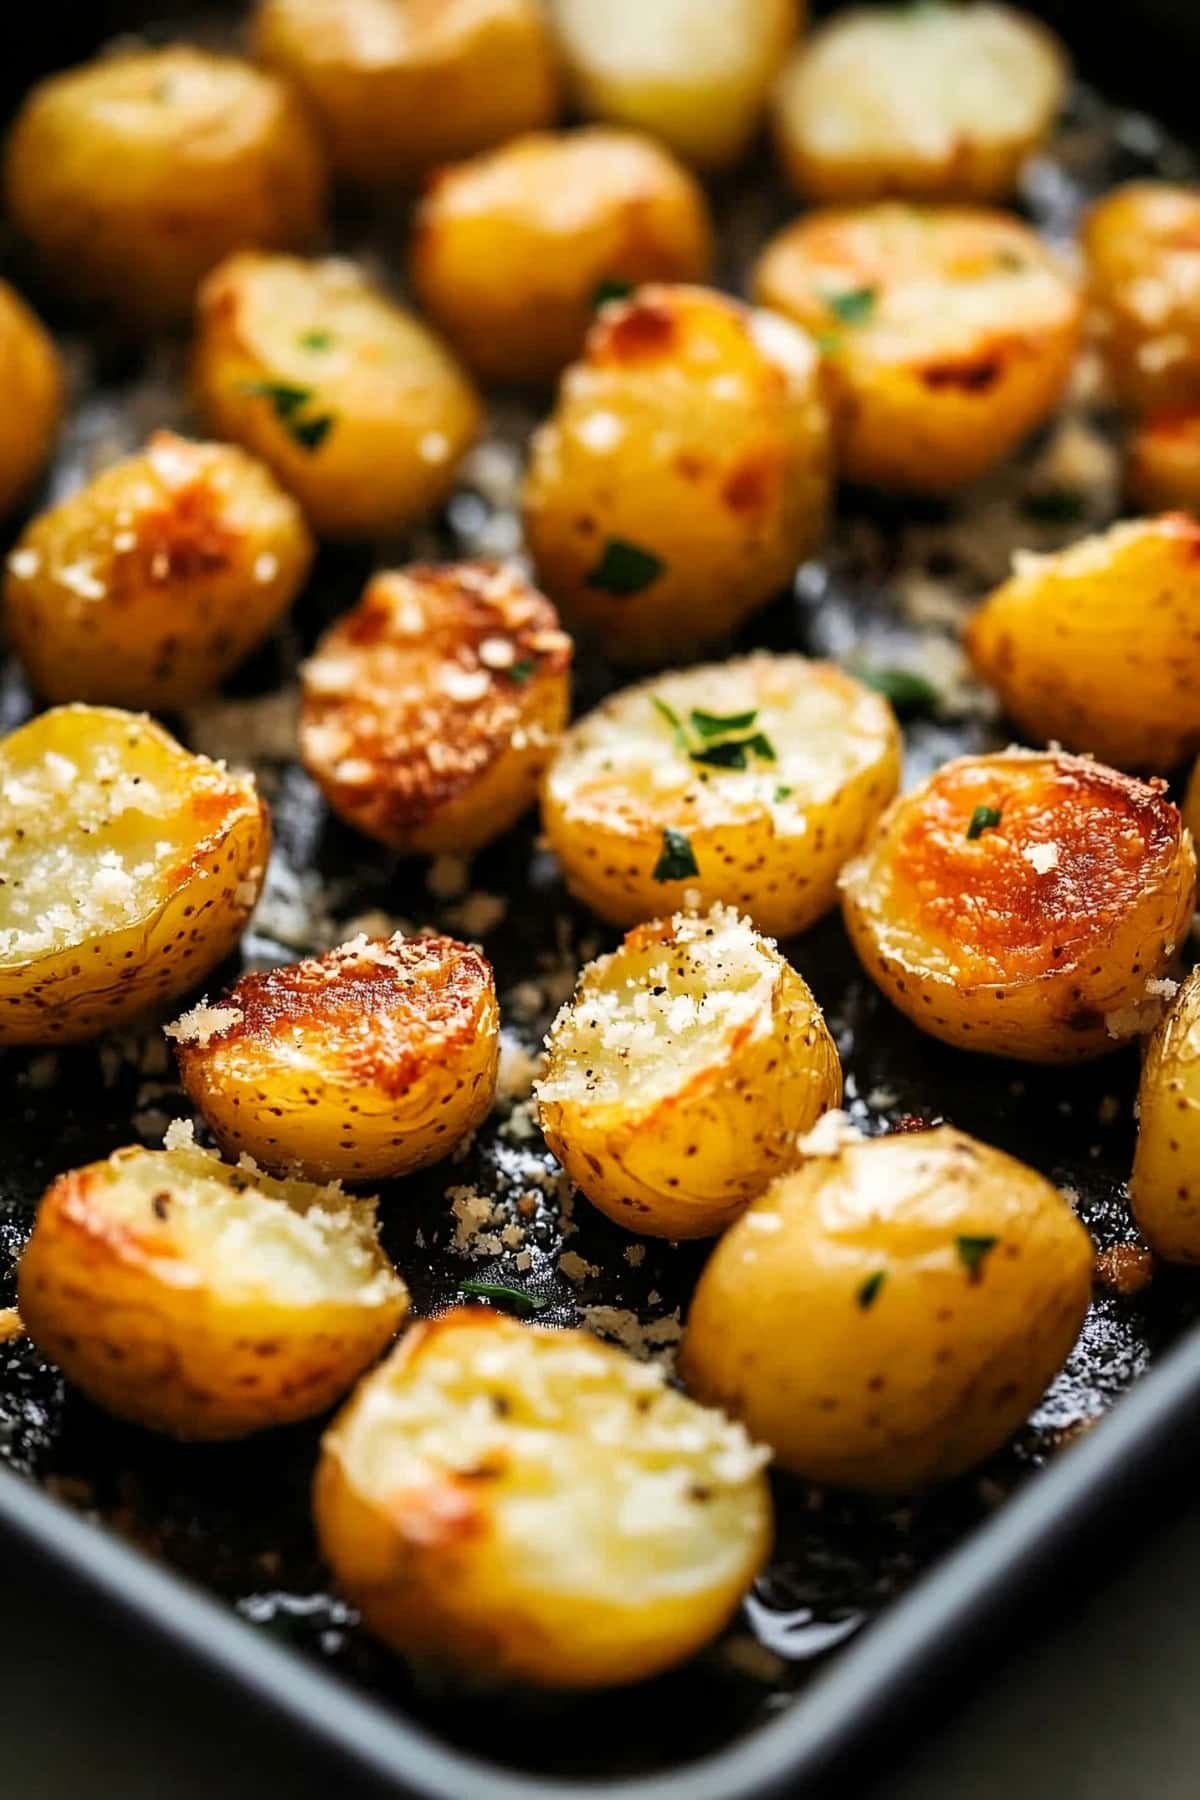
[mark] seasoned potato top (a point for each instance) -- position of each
(1142, 244)
(374, 33)
(673, 337)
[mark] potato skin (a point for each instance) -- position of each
(693, 432)
(941, 1283)
(1097, 646)
(134, 174)
(1140, 245)
(424, 1507)
(192, 552)
(431, 709)
(1165, 1202)
(509, 249)
(33, 386)
(1038, 937)
(357, 408)
(401, 89)
(970, 332)
(1164, 463)
(113, 1297)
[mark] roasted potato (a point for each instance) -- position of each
(1166, 1201)
(356, 407)
(400, 89)
(430, 711)
(1026, 904)
(749, 782)
(1164, 463)
(532, 1506)
(1098, 646)
(366, 1063)
(681, 1074)
(934, 101)
(1142, 247)
(203, 1300)
(948, 334)
(130, 868)
(33, 389)
(941, 1285)
(134, 174)
(152, 582)
(512, 251)
(684, 473)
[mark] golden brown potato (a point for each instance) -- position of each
(206, 1301)
(1024, 904)
(430, 710)
(1098, 646)
(400, 89)
(33, 397)
(1166, 1201)
(157, 578)
(941, 1285)
(749, 782)
(130, 869)
(948, 334)
(683, 475)
(134, 174)
(358, 409)
(1142, 246)
(523, 1505)
(681, 1074)
(513, 250)
(366, 1063)
(1164, 463)
(931, 101)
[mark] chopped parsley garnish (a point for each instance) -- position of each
(714, 741)
(782, 793)
(735, 753)
(625, 569)
(613, 288)
(868, 1293)
(908, 693)
(288, 403)
(310, 434)
(829, 342)
(1055, 506)
(678, 859)
(515, 1299)
(853, 306)
(984, 818)
(521, 671)
(316, 340)
(972, 1250)
(720, 725)
(673, 720)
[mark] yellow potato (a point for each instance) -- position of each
(366, 1063)
(683, 475)
(948, 332)
(134, 174)
(401, 88)
(1098, 646)
(931, 101)
(202, 1300)
(356, 407)
(512, 251)
(1166, 1200)
(33, 397)
(1191, 803)
(889, 1314)
(1164, 463)
(1142, 247)
(130, 869)
(749, 782)
(532, 1506)
(430, 711)
(681, 1074)
(152, 582)
(1025, 904)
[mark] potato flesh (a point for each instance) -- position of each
(1162, 1188)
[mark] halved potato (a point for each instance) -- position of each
(933, 101)
(134, 174)
(887, 1315)
(948, 332)
(1166, 1200)
(157, 578)
(1025, 904)
(203, 1300)
(33, 388)
(431, 710)
(1098, 645)
(129, 869)
(1164, 463)
(682, 1072)
(684, 473)
(749, 782)
(522, 1505)
(1142, 245)
(359, 1065)
(354, 404)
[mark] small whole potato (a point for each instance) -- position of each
(1141, 244)
(680, 1075)
(360, 1065)
(1098, 645)
(749, 782)
(931, 101)
(33, 388)
(430, 711)
(683, 475)
(527, 1506)
(399, 89)
(1164, 463)
(512, 251)
(948, 333)
(357, 408)
(941, 1285)
(151, 583)
(133, 175)
(1162, 1188)
(1025, 904)
(202, 1300)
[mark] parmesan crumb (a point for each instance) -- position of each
(180, 1135)
(203, 1023)
(1041, 857)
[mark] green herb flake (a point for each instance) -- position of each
(625, 569)
(735, 753)
(612, 288)
(971, 1252)
(1055, 506)
(984, 818)
(829, 342)
(521, 671)
(288, 401)
(513, 1299)
(310, 434)
(907, 692)
(853, 306)
(678, 859)
(868, 1293)
(782, 793)
(316, 340)
(673, 720)
(721, 725)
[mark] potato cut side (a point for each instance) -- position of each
(1163, 1186)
